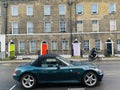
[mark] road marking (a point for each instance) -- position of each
(12, 87)
(76, 89)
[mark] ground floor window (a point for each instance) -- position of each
(97, 44)
(0, 46)
(118, 45)
(32, 46)
(65, 45)
(86, 45)
(54, 45)
(21, 47)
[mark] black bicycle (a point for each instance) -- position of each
(94, 58)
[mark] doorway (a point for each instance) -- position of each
(44, 48)
(109, 47)
(76, 48)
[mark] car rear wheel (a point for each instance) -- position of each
(90, 79)
(28, 81)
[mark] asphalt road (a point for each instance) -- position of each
(110, 81)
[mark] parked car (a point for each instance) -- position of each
(52, 68)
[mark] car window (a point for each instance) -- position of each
(51, 62)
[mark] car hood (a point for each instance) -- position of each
(82, 63)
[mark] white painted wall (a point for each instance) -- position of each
(2, 40)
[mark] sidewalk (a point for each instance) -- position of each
(73, 58)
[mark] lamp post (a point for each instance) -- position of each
(70, 2)
(6, 12)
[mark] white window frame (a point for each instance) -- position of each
(94, 8)
(96, 43)
(62, 9)
(30, 25)
(29, 10)
(54, 45)
(65, 45)
(33, 51)
(0, 28)
(112, 8)
(21, 47)
(79, 9)
(47, 28)
(95, 26)
(61, 28)
(86, 47)
(0, 11)
(118, 45)
(15, 10)
(0, 46)
(79, 26)
(47, 9)
(113, 25)
(15, 26)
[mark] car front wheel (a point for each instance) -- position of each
(90, 79)
(28, 81)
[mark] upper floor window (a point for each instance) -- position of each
(95, 25)
(30, 27)
(14, 27)
(46, 9)
(86, 45)
(62, 9)
(65, 45)
(94, 8)
(29, 10)
(112, 7)
(112, 24)
(79, 26)
(21, 47)
(79, 9)
(47, 27)
(14, 10)
(62, 26)
(32, 46)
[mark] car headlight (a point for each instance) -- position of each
(98, 70)
(15, 72)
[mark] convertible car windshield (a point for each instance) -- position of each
(52, 58)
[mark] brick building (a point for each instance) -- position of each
(66, 27)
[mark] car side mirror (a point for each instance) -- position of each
(58, 67)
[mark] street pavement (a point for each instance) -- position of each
(104, 59)
(110, 81)
(110, 66)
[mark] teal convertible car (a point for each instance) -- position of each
(52, 68)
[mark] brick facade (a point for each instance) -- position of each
(38, 18)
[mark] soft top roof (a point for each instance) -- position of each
(48, 56)
(37, 62)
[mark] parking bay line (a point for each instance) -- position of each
(12, 87)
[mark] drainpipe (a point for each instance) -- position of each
(6, 12)
(70, 2)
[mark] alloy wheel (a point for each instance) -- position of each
(90, 79)
(28, 81)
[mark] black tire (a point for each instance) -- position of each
(90, 79)
(28, 81)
